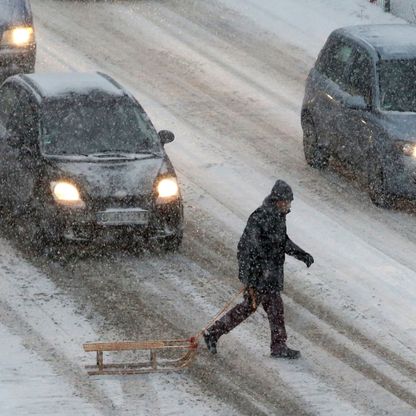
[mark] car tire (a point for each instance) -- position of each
(316, 156)
(376, 184)
(38, 239)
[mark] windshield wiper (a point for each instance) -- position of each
(122, 153)
(109, 152)
(146, 152)
(66, 154)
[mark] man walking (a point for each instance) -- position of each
(261, 256)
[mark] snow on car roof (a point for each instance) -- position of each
(391, 41)
(59, 85)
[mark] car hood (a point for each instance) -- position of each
(399, 125)
(113, 178)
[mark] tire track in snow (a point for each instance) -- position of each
(21, 312)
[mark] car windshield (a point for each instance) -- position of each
(86, 127)
(11, 10)
(398, 85)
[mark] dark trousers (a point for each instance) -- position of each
(273, 305)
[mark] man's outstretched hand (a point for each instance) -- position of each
(308, 260)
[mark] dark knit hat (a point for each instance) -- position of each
(281, 191)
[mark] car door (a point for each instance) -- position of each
(21, 152)
(333, 64)
(9, 105)
(354, 120)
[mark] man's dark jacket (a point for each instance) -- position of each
(262, 248)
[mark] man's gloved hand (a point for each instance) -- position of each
(252, 293)
(308, 259)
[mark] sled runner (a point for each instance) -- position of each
(185, 348)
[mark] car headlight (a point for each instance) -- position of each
(167, 188)
(407, 148)
(66, 193)
(18, 36)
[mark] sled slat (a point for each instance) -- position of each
(133, 345)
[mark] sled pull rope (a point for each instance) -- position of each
(219, 314)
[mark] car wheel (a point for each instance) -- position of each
(38, 239)
(376, 185)
(316, 156)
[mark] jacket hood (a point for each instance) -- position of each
(281, 191)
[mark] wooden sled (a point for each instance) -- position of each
(187, 348)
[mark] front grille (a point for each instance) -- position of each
(100, 204)
(88, 232)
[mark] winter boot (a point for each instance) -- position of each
(285, 352)
(211, 342)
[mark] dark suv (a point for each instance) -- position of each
(17, 38)
(360, 107)
(81, 161)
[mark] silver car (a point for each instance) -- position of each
(360, 107)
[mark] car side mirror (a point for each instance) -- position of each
(356, 102)
(166, 136)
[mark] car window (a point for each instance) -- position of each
(73, 127)
(334, 60)
(9, 104)
(14, 11)
(398, 85)
(360, 75)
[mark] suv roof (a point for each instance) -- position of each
(390, 41)
(70, 84)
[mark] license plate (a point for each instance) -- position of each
(123, 216)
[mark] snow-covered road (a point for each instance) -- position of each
(227, 77)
